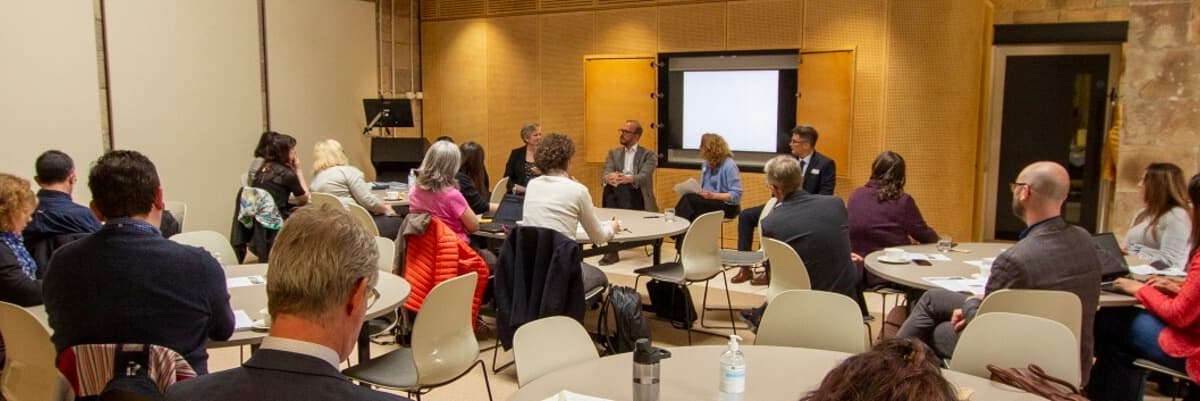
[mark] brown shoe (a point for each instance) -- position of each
(610, 258)
(744, 275)
(763, 278)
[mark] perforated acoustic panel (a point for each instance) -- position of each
(428, 9)
(691, 27)
(461, 8)
(556, 5)
(628, 31)
(610, 3)
(512, 85)
(564, 39)
(455, 82)
(936, 59)
(500, 7)
(769, 24)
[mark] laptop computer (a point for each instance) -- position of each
(508, 213)
(1111, 271)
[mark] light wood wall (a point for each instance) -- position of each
(917, 77)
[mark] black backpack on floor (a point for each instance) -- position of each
(672, 302)
(631, 325)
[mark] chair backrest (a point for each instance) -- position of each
(498, 190)
(787, 269)
(364, 217)
(387, 253)
(766, 210)
(550, 343)
(1060, 306)
(211, 241)
(30, 372)
(321, 198)
(179, 210)
(812, 319)
(443, 343)
(701, 254)
(1011, 340)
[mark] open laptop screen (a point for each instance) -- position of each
(1110, 271)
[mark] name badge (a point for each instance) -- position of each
(815, 171)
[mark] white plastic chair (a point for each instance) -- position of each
(443, 345)
(1060, 306)
(498, 190)
(787, 269)
(30, 372)
(179, 211)
(812, 319)
(364, 217)
(321, 198)
(1012, 340)
(387, 253)
(700, 261)
(550, 343)
(736, 258)
(212, 241)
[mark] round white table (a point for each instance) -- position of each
(638, 227)
(692, 374)
(912, 275)
(382, 194)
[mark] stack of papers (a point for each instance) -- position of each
(1148, 270)
(242, 321)
(234, 282)
(569, 396)
(974, 286)
(687, 187)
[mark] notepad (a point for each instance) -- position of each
(242, 321)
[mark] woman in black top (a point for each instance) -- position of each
(473, 179)
(519, 168)
(281, 174)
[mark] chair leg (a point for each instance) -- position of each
(728, 302)
(496, 351)
(487, 384)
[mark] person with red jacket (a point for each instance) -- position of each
(1166, 331)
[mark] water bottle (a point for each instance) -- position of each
(733, 371)
(645, 370)
(412, 179)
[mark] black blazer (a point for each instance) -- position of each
(477, 199)
(275, 375)
(515, 169)
(15, 286)
(820, 175)
(538, 275)
(823, 241)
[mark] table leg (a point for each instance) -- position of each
(657, 258)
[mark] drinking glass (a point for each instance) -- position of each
(669, 214)
(944, 244)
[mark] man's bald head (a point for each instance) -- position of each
(1044, 188)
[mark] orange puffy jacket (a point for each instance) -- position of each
(435, 254)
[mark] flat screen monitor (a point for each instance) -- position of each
(391, 112)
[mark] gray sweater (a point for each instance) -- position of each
(1168, 242)
(346, 183)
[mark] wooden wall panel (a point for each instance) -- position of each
(564, 5)
(455, 81)
(691, 27)
(768, 24)
(939, 140)
(564, 39)
(627, 31)
(461, 8)
(500, 7)
(512, 85)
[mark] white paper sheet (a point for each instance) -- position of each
(569, 396)
(928, 256)
(1150, 270)
(234, 282)
(687, 187)
(959, 284)
(977, 263)
(242, 321)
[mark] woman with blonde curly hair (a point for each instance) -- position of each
(335, 176)
(18, 271)
(720, 183)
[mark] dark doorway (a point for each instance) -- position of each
(1054, 110)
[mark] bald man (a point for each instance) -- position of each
(1051, 255)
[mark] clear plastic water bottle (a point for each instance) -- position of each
(733, 371)
(412, 178)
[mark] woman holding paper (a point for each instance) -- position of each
(720, 183)
(1166, 331)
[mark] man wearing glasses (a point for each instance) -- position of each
(629, 176)
(1051, 255)
(320, 283)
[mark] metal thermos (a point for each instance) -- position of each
(646, 370)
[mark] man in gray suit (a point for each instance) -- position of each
(629, 176)
(322, 280)
(1051, 255)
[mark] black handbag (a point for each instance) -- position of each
(672, 302)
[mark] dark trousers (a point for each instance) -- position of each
(692, 205)
(1122, 335)
(389, 226)
(624, 196)
(747, 222)
(929, 321)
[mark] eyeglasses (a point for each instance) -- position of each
(373, 296)
(624, 131)
(1012, 186)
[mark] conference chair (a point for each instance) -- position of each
(700, 261)
(321, 198)
(211, 241)
(1015, 340)
(387, 253)
(1175, 375)
(364, 217)
(380, 329)
(498, 190)
(443, 345)
(179, 211)
(30, 372)
(550, 343)
(731, 258)
(1060, 306)
(787, 269)
(812, 319)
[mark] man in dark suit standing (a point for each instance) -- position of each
(322, 279)
(629, 176)
(1051, 255)
(823, 241)
(820, 176)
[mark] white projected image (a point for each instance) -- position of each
(742, 106)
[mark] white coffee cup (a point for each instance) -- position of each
(392, 194)
(894, 253)
(266, 317)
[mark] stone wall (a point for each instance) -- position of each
(1160, 92)
(1059, 11)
